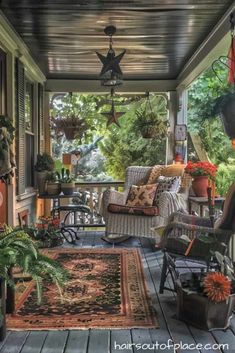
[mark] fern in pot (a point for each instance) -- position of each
(18, 249)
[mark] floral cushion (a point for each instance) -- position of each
(166, 184)
(134, 210)
(141, 195)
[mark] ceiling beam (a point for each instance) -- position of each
(215, 45)
(94, 86)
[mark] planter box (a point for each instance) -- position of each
(199, 311)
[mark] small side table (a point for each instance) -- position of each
(203, 202)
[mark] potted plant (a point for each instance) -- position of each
(149, 123)
(201, 171)
(7, 159)
(44, 164)
(207, 299)
(46, 232)
(18, 249)
(70, 118)
(67, 182)
(53, 186)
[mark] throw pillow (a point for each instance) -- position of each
(166, 184)
(141, 195)
(156, 171)
(173, 170)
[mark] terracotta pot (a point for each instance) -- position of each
(200, 185)
(53, 188)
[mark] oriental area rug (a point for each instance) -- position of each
(106, 289)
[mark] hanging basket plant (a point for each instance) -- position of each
(149, 123)
(69, 122)
(72, 126)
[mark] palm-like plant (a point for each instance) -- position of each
(18, 249)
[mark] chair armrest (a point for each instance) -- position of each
(170, 202)
(111, 196)
(190, 219)
(176, 229)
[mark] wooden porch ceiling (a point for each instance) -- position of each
(159, 36)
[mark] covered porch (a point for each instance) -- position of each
(49, 48)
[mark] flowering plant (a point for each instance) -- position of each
(217, 286)
(201, 169)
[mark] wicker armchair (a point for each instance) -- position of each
(121, 226)
(194, 227)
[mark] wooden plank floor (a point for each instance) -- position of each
(111, 341)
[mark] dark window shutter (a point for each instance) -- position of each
(3, 96)
(40, 119)
(20, 124)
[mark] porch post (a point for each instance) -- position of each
(173, 108)
(47, 143)
(181, 146)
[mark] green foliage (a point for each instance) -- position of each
(6, 122)
(125, 146)
(204, 96)
(44, 163)
(121, 147)
(225, 176)
(52, 177)
(18, 249)
(64, 176)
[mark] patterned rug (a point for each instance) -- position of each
(106, 290)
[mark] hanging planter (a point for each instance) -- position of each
(149, 123)
(69, 121)
(72, 126)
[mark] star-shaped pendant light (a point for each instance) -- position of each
(111, 73)
(112, 116)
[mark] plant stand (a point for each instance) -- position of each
(2, 309)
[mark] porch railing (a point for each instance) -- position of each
(91, 195)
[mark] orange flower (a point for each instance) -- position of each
(217, 287)
(201, 169)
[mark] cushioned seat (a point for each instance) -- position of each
(123, 219)
(134, 210)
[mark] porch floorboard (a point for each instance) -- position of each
(103, 341)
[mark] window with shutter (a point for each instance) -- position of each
(3, 100)
(29, 133)
(20, 125)
(40, 119)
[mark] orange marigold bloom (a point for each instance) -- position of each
(217, 287)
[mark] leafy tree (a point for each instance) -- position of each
(203, 116)
(125, 146)
(203, 120)
(122, 146)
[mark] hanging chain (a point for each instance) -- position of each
(232, 24)
(111, 42)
